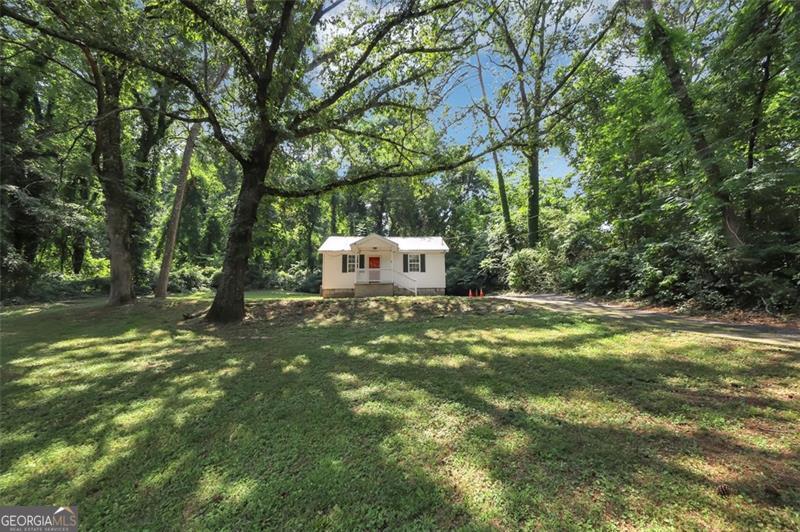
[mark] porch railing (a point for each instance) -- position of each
(404, 281)
(374, 275)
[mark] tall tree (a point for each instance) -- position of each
(534, 37)
(171, 232)
(730, 222)
(498, 165)
(108, 74)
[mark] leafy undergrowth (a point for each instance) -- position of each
(419, 412)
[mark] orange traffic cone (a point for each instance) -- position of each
(470, 293)
(481, 292)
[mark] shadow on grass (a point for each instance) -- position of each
(536, 420)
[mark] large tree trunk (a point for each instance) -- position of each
(228, 305)
(758, 111)
(501, 189)
(758, 106)
(180, 194)
(533, 196)
(175, 216)
(118, 228)
(761, 90)
(703, 150)
(108, 132)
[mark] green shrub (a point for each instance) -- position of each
(16, 274)
(189, 278)
(297, 278)
(52, 286)
(311, 283)
(698, 275)
(605, 273)
(533, 270)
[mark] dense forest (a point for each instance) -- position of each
(167, 146)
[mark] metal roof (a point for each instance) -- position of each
(405, 243)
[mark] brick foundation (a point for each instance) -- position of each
(337, 292)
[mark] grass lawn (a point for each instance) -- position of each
(423, 413)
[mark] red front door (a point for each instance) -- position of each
(374, 263)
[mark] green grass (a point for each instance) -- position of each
(423, 413)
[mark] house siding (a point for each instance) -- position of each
(434, 274)
(332, 276)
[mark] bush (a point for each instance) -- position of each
(297, 278)
(311, 283)
(189, 278)
(671, 272)
(52, 286)
(475, 261)
(775, 293)
(694, 275)
(300, 278)
(603, 274)
(533, 270)
(466, 272)
(15, 273)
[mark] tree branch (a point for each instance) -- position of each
(577, 64)
(351, 80)
(275, 42)
(391, 171)
(228, 36)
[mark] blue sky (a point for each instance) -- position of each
(552, 162)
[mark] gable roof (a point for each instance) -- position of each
(404, 243)
(375, 239)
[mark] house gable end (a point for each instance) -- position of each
(374, 241)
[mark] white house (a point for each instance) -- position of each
(376, 265)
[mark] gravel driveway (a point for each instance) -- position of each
(779, 336)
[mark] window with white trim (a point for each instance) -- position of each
(413, 263)
(351, 263)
